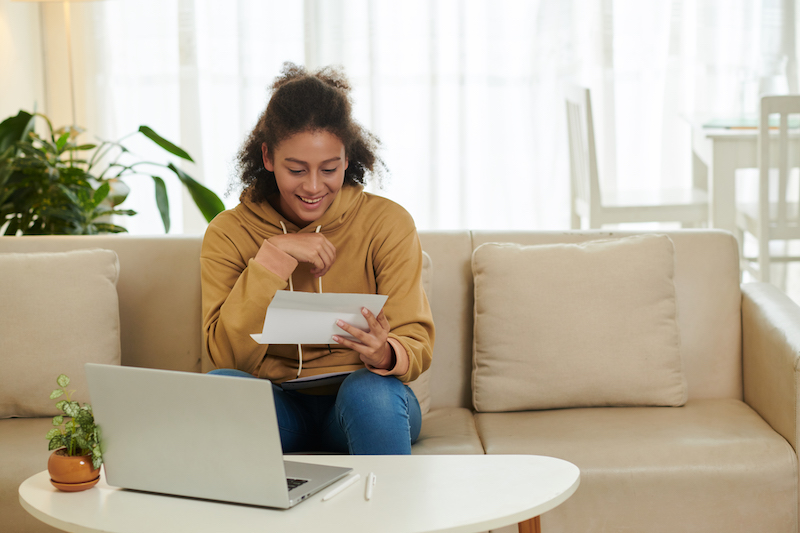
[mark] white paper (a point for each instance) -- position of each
(310, 318)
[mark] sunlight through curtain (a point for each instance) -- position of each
(465, 94)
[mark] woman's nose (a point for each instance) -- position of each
(314, 182)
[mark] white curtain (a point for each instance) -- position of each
(465, 94)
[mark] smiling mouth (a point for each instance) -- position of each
(311, 200)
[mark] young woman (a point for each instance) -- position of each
(304, 223)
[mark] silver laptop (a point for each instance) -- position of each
(197, 435)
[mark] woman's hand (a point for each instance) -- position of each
(373, 345)
(312, 248)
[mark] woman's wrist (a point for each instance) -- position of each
(390, 360)
(275, 260)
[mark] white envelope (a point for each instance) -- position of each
(310, 318)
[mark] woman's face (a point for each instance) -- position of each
(309, 169)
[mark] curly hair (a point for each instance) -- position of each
(306, 101)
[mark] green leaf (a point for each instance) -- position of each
(208, 202)
(119, 191)
(97, 457)
(14, 129)
(162, 201)
(56, 394)
(71, 409)
(81, 147)
(61, 142)
(56, 443)
(103, 211)
(165, 144)
(62, 380)
(100, 194)
(52, 433)
(85, 419)
(58, 420)
(110, 228)
(60, 405)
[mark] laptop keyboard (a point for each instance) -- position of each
(294, 483)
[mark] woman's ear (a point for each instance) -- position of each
(346, 163)
(268, 164)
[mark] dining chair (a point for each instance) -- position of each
(774, 215)
(596, 207)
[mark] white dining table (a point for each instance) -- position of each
(717, 153)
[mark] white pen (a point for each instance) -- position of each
(371, 480)
(341, 487)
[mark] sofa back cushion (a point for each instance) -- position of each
(576, 325)
(706, 288)
(159, 293)
(60, 311)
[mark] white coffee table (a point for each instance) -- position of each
(418, 493)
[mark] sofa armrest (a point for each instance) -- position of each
(770, 350)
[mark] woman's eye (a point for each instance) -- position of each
(293, 171)
(329, 170)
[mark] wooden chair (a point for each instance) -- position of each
(588, 203)
(775, 215)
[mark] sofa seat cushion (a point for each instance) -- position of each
(711, 465)
(23, 453)
(448, 431)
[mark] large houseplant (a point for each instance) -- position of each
(52, 184)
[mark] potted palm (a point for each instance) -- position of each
(75, 462)
(53, 184)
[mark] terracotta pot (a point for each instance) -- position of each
(72, 474)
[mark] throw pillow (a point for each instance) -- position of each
(60, 310)
(576, 325)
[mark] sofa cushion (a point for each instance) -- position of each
(422, 385)
(448, 431)
(23, 453)
(62, 312)
(576, 325)
(711, 465)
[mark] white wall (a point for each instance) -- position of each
(34, 64)
(21, 73)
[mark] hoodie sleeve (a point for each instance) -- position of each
(398, 271)
(236, 290)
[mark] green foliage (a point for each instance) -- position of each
(78, 434)
(51, 185)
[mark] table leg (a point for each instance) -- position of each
(699, 173)
(723, 188)
(530, 526)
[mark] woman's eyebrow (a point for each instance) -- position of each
(300, 161)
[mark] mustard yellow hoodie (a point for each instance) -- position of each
(377, 252)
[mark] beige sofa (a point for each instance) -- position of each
(725, 461)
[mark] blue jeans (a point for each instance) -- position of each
(370, 415)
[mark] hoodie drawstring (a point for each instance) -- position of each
(291, 289)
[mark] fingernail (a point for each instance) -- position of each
(364, 311)
(336, 338)
(339, 323)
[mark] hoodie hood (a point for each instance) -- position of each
(259, 215)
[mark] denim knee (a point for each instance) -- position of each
(378, 414)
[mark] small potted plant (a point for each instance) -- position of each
(75, 462)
